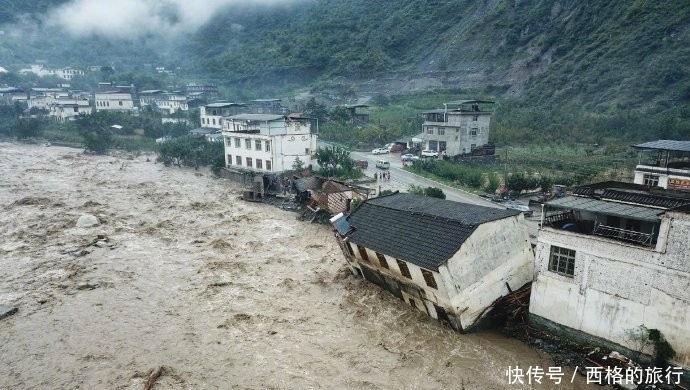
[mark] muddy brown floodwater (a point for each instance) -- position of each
(220, 292)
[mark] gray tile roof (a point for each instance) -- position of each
(421, 230)
(664, 144)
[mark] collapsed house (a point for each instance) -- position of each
(324, 197)
(447, 259)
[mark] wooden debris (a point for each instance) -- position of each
(153, 377)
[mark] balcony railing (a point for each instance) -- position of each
(622, 234)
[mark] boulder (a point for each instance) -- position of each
(6, 311)
(87, 220)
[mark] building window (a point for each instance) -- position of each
(430, 130)
(442, 131)
(475, 118)
(259, 164)
(257, 144)
(651, 180)
(229, 159)
(228, 142)
(248, 143)
(238, 160)
(237, 142)
(306, 151)
(473, 131)
(429, 278)
(249, 162)
(214, 121)
(120, 102)
(562, 261)
(403, 269)
(268, 146)
(382, 260)
(363, 253)
(268, 165)
(473, 147)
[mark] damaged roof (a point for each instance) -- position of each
(420, 230)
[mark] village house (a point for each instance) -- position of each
(115, 101)
(610, 258)
(202, 92)
(211, 115)
(63, 73)
(357, 117)
(68, 109)
(167, 103)
(266, 106)
(447, 259)
(267, 142)
(664, 163)
(10, 95)
(459, 128)
(42, 98)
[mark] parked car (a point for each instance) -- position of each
(380, 151)
(409, 157)
(364, 164)
(429, 153)
(395, 148)
(520, 207)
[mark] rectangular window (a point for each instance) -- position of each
(248, 143)
(473, 131)
(404, 271)
(214, 121)
(259, 164)
(429, 278)
(562, 261)
(363, 253)
(651, 180)
(473, 147)
(238, 160)
(475, 118)
(237, 142)
(442, 131)
(268, 146)
(257, 144)
(382, 260)
(229, 159)
(306, 151)
(430, 130)
(249, 162)
(268, 165)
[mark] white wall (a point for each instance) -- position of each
(497, 253)
(618, 287)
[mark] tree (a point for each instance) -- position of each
(434, 192)
(298, 165)
(313, 109)
(26, 127)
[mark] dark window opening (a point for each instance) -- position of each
(382, 260)
(429, 278)
(363, 253)
(562, 261)
(403, 269)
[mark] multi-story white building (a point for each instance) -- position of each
(211, 115)
(167, 102)
(42, 98)
(267, 142)
(114, 101)
(63, 73)
(459, 128)
(611, 258)
(664, 163)
(68, 109)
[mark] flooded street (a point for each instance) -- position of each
(223, 293)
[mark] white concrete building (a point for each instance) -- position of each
(167, 102)
(267, 142)
(114, 101)
(42, 98)
(68, 109)
(447, 259)
(459, 128)
(665, 164)
(63, 73)
(211, 115)
(611, 258)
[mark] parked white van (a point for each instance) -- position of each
(383, 164)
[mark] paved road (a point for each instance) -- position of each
(401, 179)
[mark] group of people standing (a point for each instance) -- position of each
(384, 176)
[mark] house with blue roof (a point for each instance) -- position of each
(447, 259)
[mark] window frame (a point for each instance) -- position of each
(562, 261)
(404, 269)
(382, 260)
(429, 278)
(248, 161)
(258, 145)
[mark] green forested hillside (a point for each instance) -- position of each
(615, 69)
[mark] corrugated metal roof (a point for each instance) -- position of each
(664, 144)
(608, 208)
(225, 104)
